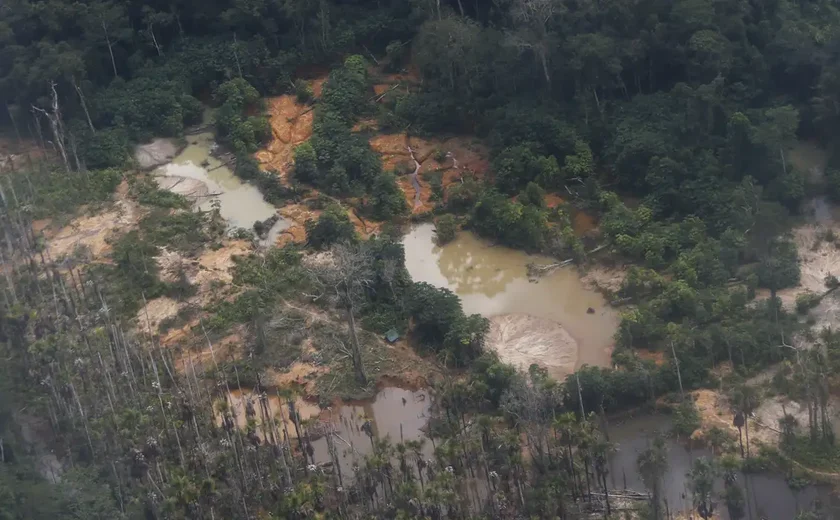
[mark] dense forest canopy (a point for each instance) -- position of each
(670, 121)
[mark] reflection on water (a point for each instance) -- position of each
(394, 413)
(397, 414)
(241, 403)
(767, 496)
(196, 174)
(492, 281)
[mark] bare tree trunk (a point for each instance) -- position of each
(56, 125)
(84, 419)
(84, 104)
(544, 62)
(236, 54)
(110, 48)
(154, 39)
(679, 375)
(747, 432)
(358, 365)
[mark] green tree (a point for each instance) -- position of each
(653, 464)
(333, 226)
(701, 482)
(446, 228)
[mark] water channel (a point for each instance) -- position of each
(203, 178)
(556, 321)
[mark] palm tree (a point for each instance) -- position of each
(600, 455)
(653, 464)
(701, 481)
(569, 429)
(745, 399)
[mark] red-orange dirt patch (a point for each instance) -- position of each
(291, 125)
(459, 156)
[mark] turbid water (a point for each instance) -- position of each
(767, 496)
(395, 413)
(544, 321)
(240, 401)
(199, 176)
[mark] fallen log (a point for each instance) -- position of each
(545, 269)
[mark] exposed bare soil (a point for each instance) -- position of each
(465, 156)
(604, 278)
(208, 270)
(92, 231)
(291, 125)
(523, 340)
(156, 153)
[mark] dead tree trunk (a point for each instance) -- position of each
(56, 125)
(110, 47)
(84, 104)
(358, 365)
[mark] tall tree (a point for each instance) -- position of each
(347, 277)
(653, 464)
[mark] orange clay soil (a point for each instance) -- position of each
(583, 223)
(291, 125)
(464, 155)
(297, 215)
(403, 81)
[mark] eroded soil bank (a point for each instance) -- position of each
(557, 321)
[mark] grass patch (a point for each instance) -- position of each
(51, 193)
(149, 194)
(341, 380)
(184, 231)
(183, 317)
(818, 455)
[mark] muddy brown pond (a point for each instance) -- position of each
(543, 321)
(401, 415)
(767, 496)
(394, 413)
(201, 177)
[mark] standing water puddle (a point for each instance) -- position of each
(398, 414)
(394, 413)
(545, 322)
(766, 495)
(199, 176)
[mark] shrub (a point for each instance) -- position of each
(395, 53)
(686, 418)
(303, 92)
(149, 194)
(445, 229)
(533, 194)
(779, 268)
(106, 148)
(306, 162)
(807, 301)
(332, 226)
(387, 199)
